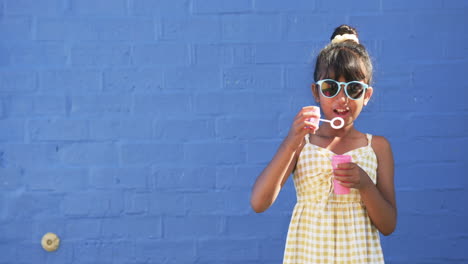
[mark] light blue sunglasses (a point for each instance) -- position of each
(353, 90)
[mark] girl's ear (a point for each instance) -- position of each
(315, 92)
(368, 95)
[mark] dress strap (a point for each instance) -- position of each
(369, 139)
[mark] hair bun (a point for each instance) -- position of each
(343, 33)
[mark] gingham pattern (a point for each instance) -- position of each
(329, 228)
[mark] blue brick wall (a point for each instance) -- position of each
(134, 129)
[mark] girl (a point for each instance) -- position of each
(326, 227)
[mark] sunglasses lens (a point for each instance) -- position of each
(329, 88)
(355, 90)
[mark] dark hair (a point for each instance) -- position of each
(347, 58)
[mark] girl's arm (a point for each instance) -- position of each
(380, 199)
(271, 180)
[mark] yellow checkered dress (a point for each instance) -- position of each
(329, 228)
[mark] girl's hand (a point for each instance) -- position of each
(301, 126)
(352, 176)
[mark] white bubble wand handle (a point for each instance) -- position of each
(333, 121)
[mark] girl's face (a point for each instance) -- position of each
(341, 105)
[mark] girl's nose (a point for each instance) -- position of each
(342, 94)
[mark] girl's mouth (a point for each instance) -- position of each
(341, 112)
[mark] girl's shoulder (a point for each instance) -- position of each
(381, 145)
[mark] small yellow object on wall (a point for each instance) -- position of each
(50, 242)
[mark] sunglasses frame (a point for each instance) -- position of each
(319, 83)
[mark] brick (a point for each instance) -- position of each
(10, 231)
(183, 28)
(192, 227)
(212, 54)
(250, 28)
(175, 130)
(455, 4)
(308, 27)
(364, 6)
(9, 254)
(28, 250)
(56, 179)
(100, 55)
(12, 130)
(161, 8)
(259, 78)
(162, 105)
(233, 178)
(124, 129)
(441, 201)
(230, 250)
(137, 203)
(281, 6)
(393, 52)
(455, 50)
(167, 204)
(148, 154)
(243, 53)
(420, 172)
(39, 205)
(233, 128)
(123, 251)
(225, 6)
(20, 106)
(283, 53)
(62, 130)
(214, 153)
(452, 249)
(74, 81)
(31, 7)
(96, 29)
(10, 178)
(174, 178)
(16, 28)
(93, 204)
(50, 105)
(29, 155)
(237, 202)
(36, 54)
(437, 72)
(298, 81)
(193, 78)
(164, 251)
(93, 251)
(140, 227)
(398, 23)
(219, 203)
(403, 6)
(441, 150)
(100, 105)
(269, 255)
(88, 154)
(100, 7)
(261, 152)
(442, 24)
(133, 80)
(17, 81)
(161, 54)
(125, 178)
(206, 203)
(135, 129)
(243, 103)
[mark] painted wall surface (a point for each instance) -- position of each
(134, 129)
